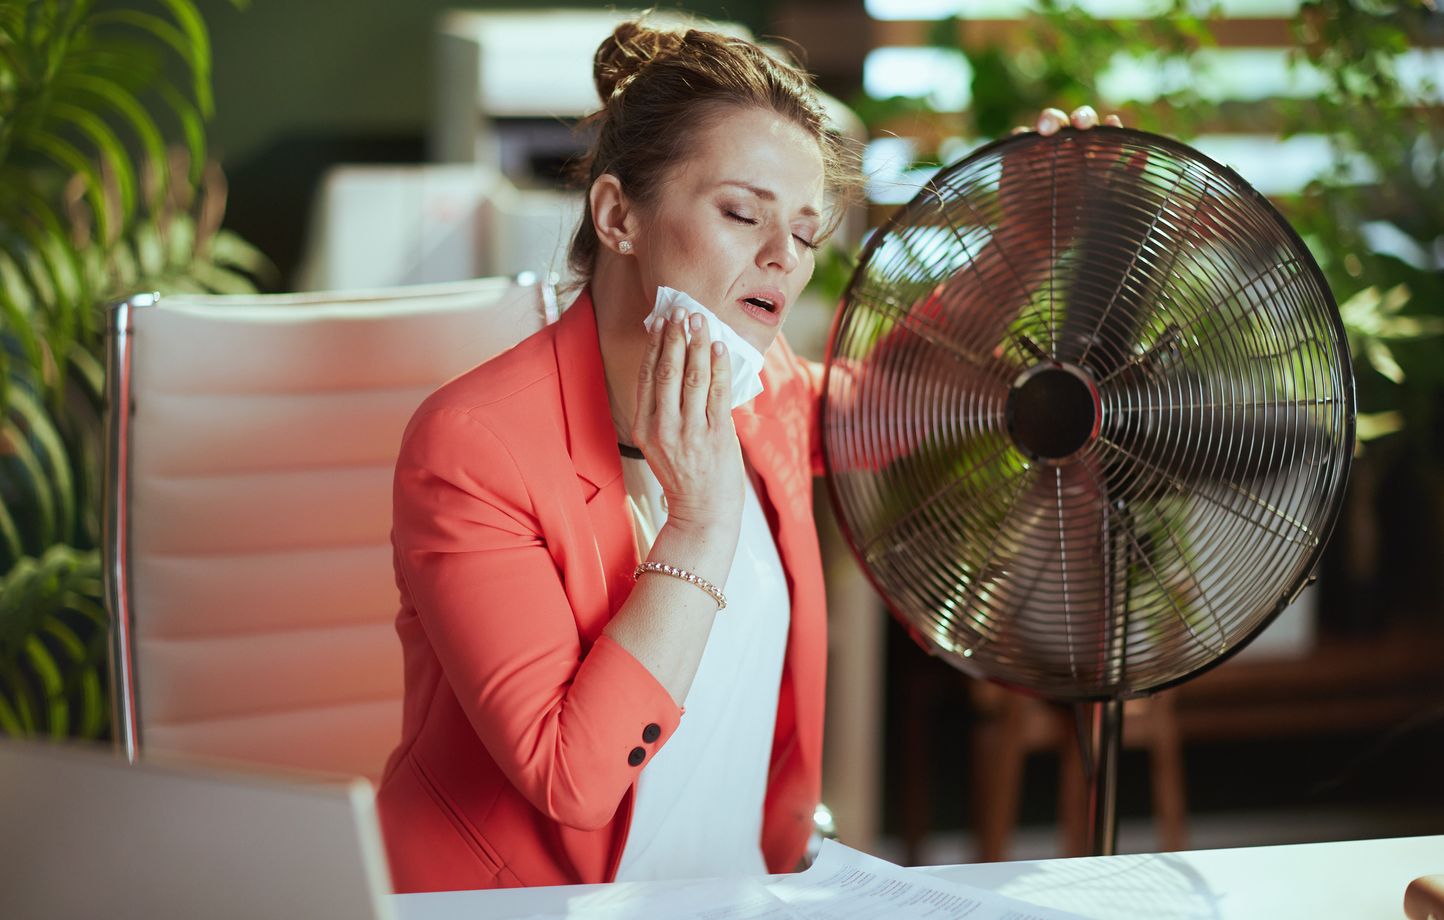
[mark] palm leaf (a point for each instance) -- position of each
(52, 646)
(69, 156)
(190, 22)
(117, 166)
(123, 102)
(32, 489)
(56, 463)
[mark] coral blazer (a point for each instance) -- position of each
(524, 728)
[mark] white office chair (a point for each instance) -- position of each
(248, 510)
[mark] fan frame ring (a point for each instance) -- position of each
(1238, 185)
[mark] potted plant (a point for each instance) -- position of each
(95, 203)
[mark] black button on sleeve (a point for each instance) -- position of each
(651, 733)
(637, 756)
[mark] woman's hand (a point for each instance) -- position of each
(1050, 120)
(1039, 165)
(684, 424)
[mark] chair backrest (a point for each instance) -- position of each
(249, 510)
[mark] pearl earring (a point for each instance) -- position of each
(624, 247)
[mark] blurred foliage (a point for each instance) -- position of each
(96, 203)
(1394, 142)
(1375, 221)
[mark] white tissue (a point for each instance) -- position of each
(746, 359)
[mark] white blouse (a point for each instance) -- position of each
(698, 802)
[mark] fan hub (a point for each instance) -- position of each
(1054, 412)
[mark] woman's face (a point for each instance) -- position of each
(733, 224)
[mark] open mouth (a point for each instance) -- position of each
(762, 302)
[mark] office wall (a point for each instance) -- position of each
(303, 84)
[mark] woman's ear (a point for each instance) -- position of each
(613, 214)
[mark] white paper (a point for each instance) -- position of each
(746, 360)
(709, 899)
(844, 883)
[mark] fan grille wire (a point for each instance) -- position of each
(1087, 553)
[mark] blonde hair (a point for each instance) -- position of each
(658, 87)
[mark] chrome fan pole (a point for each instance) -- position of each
(1105, 741)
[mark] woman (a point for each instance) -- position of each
(570, 517)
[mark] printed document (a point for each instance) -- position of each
(842, 884)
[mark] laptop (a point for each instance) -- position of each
(83, 834)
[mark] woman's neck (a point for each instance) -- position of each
(621, 304)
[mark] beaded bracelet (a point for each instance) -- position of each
(686, 576)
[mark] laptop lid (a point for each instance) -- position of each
(83, 834)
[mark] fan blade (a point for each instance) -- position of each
(1111, 279)
(1186, 429)
(911, 395)
(1029, 230)
(1049, 599)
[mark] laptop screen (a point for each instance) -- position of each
(83, 834)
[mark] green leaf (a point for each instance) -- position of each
(42, 665)
(65, 637)
(153, 25)
(65, 154)
(136, 117)
(17, 458)
(199, 40)
(193, 126)
(149, 250)
(1382, 360)
(20, 699)
(1371, 425)
(111, 150)
(90, 371)
(13, 547)
(84, 605)
(230, 249)
(57, 461)
(94, 705)
(9, 719)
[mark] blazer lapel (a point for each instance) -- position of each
(592, 443)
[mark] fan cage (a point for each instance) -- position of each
(1087, 553)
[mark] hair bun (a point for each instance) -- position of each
(630, 47)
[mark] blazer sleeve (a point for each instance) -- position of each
(562, 723)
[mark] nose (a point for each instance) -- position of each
(780, 250)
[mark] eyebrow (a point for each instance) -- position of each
(807, 210)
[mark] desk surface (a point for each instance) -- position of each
(1353, 880)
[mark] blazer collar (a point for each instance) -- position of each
(591, 439)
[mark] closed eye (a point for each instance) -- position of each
(752, 222)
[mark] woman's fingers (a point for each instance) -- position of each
(646, 381)
(1050, 120)
(719, 396)
(667, 375)
(697, 381)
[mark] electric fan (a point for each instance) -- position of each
(1087, 420)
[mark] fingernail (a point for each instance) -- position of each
(718, 348)
(678, 314)
(647, 324)
(695, 321)
(1048, 125)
